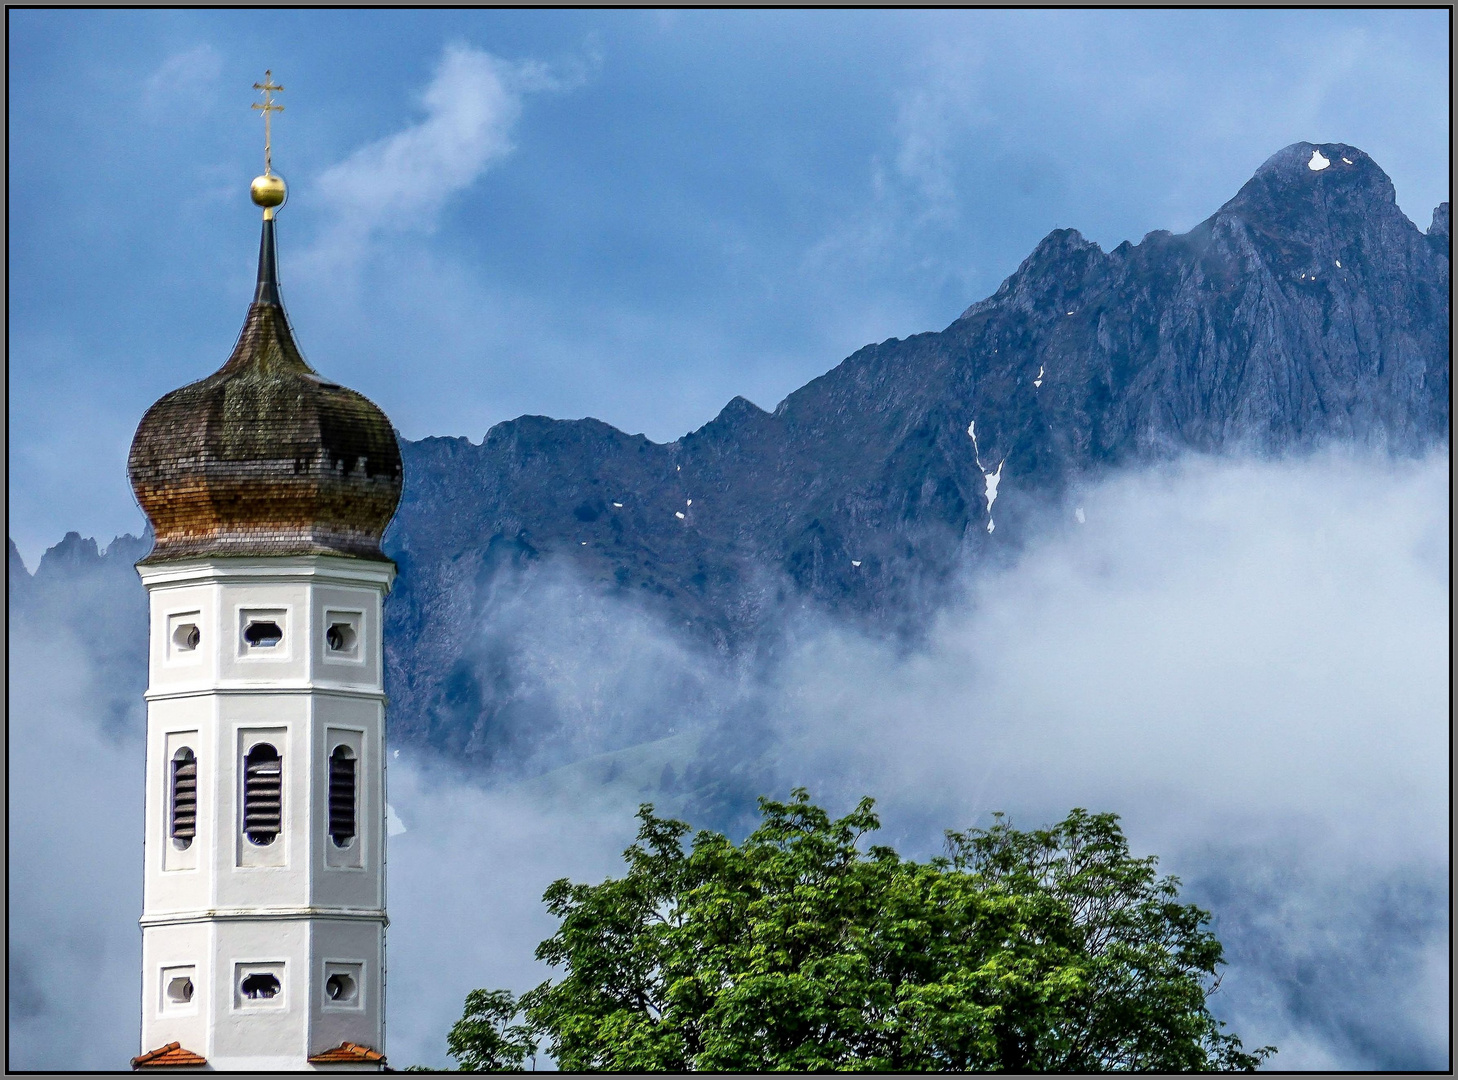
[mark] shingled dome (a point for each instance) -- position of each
(264, 457)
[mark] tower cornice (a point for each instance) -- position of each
(253, 914)
(223, 689)
(328, 569)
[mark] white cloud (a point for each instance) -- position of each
(181, 79)
(937, 114)
(466, 886)
(404, 180)
(74, 829)
(1244, 634)
(1245, 660)
(1248, 662)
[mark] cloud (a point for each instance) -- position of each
(1246, 660)
(466, 883)
(77, 668)
(1296, 604)
(403, 181)
(181, 79)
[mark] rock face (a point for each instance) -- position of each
(1308, 308)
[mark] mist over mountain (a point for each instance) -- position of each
(1307, 309)
(1160, 530)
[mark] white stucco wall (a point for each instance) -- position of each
(302, 907)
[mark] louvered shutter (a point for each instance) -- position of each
(184, 797)
(262, 794)
(341, 797)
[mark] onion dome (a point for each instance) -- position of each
(265, 457)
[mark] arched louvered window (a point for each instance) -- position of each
(262, 794)
(183, 826)
(341, 796)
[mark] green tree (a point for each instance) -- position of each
(485, 1040)
(804, 949)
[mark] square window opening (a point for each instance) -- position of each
(184, 635)
(179, 988)
(343, 987)
(342, 635)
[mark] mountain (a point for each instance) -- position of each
(574, 652)
(85, 602)
(1306, 309)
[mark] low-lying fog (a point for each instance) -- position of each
(1246, 660)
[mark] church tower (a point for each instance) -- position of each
(268, 488)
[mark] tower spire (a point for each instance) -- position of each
(263, 897)
(268, 107)
(268, 191)
(267, 291)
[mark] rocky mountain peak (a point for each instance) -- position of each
(1058, 266)
(16, 565)
(740, 410)
(1306, 185)
(74, 552)
(1439, 227)
(1307, 309)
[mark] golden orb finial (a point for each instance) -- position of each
(268, 191)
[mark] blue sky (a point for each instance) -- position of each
(628, 215)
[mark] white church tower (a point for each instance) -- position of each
(268, 489)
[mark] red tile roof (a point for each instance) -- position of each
(347, 1053)
(171, 1056)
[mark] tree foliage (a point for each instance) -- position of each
(485, 1039)
(804, 949)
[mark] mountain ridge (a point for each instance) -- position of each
(1308, 307)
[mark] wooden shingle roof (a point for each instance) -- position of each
(264, 457)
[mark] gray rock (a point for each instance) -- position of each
(1306, 309)
(862, 491)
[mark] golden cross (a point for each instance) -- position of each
(268, 108)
